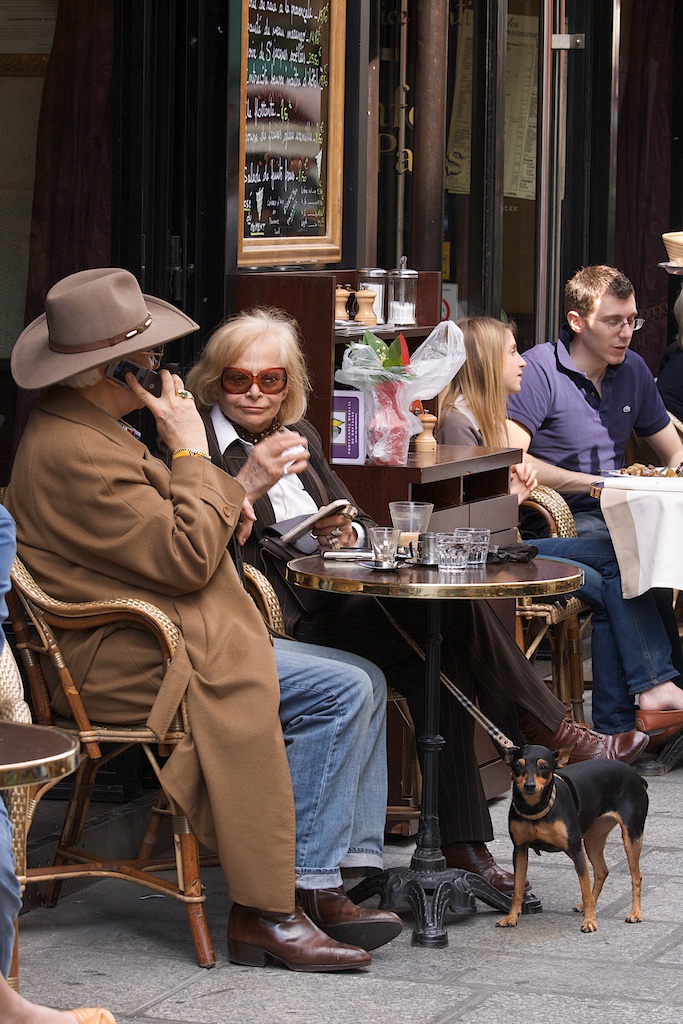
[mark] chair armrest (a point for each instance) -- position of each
(90, 614)
(262, 592)
(554, 510)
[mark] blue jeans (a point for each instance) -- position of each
(333, 712)
(631, 648)
(10, 893)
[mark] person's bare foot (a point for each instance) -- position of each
(25, 1012)
(663, 697)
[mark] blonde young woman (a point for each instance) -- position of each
(471, 410)
(632, 652)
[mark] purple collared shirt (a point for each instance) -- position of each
(574, 427)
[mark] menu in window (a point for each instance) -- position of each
(27, 26)
(287, 82)
(521, 101)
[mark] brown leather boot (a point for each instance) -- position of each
(477, 858)
(622, 746)
(257, 936)
(338, 916)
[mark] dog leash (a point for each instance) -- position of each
(494, 732)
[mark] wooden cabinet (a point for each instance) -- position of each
(467, 486)
(309, 298)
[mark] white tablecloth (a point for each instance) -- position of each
(645, 520)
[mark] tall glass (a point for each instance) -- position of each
(411, 518)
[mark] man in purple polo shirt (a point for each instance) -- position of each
(583, 395)
(581, 398)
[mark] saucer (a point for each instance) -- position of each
(381, 568)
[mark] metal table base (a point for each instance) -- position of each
(429, 886)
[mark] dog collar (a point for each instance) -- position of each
(540, 814)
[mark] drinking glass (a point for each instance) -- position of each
(453, 550)
(411, 518)
(479, 547)
(384, 540)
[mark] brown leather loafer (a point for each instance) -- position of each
(622, 746)
(477, 858)
(338, 916)
(257, 936)
(660, 726)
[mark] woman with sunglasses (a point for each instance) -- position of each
(631, 649)
(251, 388)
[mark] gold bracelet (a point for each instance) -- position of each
(179, 452)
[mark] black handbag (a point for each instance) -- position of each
(275, 553)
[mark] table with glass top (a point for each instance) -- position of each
(429, 886)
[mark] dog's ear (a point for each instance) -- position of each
(510, 754)
(562, 755)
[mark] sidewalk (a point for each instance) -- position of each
(113, 945)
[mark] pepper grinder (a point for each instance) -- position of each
(426, 442)
(365, 298)
(341, 297)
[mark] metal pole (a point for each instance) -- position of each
(429, 136)
(544, 177)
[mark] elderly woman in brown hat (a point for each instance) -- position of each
(99, 517)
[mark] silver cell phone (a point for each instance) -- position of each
(348, 554)
(150, 380)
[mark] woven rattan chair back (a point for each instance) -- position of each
(13, 708)
(35, 618)
(557, 621)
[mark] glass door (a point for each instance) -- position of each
(523, 174)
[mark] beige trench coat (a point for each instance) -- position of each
(99, 517)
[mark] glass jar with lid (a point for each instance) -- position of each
(375, 279)
(402, 295)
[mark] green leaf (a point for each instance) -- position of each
(376, 344)
(394, 355)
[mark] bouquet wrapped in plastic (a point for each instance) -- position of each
(392, 381)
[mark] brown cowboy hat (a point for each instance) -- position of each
(92, 318)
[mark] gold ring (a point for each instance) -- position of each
(182, 393)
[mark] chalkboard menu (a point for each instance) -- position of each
(291, 131)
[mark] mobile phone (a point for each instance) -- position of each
(150, 380)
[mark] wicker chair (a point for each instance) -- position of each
(21, 801)
(558, 621)
(34, 616)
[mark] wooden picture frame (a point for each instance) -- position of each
(291, 132)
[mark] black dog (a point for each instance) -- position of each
(569, 809)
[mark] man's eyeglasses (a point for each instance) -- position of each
(615, 323)
(237, 381)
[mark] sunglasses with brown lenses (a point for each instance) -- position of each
(237, 381)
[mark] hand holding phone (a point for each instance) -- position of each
(150, 380)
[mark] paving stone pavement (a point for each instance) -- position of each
(113, 945)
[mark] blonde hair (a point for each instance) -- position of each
(84, 379)
(230, 341)
(480, 380)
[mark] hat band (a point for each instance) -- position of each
(92, 346)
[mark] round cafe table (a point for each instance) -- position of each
(34, 754)
(428, 885)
